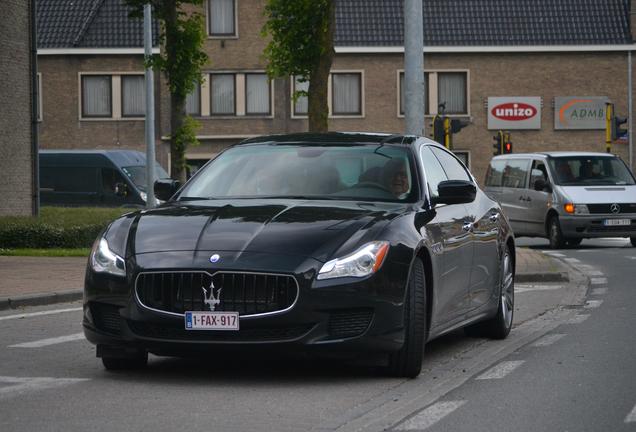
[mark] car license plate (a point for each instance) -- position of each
(617, 222)
(212, 321)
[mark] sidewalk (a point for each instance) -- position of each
(30, 281)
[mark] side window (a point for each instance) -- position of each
(433, 170)
(538, 172)
(453, 169)
(494, 176)
(515, 173)
(110, 178)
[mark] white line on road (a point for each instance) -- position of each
(51, 341)
(33, 314)
(577, 319)
(599, 291)
(593, 273)
(556, 254)
(520, 288)
(429, 416)
(17, 385)
(572, 260)
(501, 370)
(548, 340)
(591, 304)
(631, 417)
(598, 281)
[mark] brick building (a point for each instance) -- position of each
(546, 53)
(17, 137)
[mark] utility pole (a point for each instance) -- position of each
(414, 91)
(150, 110)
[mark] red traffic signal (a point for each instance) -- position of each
(508, 148)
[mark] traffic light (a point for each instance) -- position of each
(507, 144)
(497, 146)
(438, 129)
(613, 129)
(617, 130)
(457, 125)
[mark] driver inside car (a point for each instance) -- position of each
(395, 177)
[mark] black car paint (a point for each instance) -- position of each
(296, 237)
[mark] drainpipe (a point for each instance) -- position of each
(35, 158)
(629, 103)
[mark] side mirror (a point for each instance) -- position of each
(165, 188)
(121, 189)
(542, 186)
(455, 192)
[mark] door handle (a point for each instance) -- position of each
(468, 226)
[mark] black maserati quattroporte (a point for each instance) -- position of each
(341, 242)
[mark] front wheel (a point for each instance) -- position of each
(407, 362)
(554, 233)
(498, 327)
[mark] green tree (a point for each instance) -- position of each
(181, 60)
(301, 45)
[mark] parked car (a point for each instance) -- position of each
(340, 242)
(565, 196)
(94, 178)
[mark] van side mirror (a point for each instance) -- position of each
(455, 192)
(542, 186)
(165, 188)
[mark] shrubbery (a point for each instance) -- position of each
(57, 227)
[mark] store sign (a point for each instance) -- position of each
(579, 112)
(514, 113)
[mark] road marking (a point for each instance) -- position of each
(429, 416)
(631, 257)
(50, 341)
(591, 304)
(521, 288)
(631, 417)
(19, 385)
(572, 260)
(548, 340)
(556, 254)
(577, 319)
(599, 291)
(598, 281)
(501, 370)
(33, 314)
(593, 273)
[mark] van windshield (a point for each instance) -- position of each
(137, 174)
(590, 171)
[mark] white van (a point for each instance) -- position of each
(565, 196)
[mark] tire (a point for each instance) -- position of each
(554, 233)
(138, 361)
(633, 240)
(407, 362)
(573, 242)
(498, 327)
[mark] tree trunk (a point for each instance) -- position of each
(318, 110)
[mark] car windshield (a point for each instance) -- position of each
(358, 172)
(590, 171)
(137, 174)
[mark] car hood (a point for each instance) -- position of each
(314, 229)
(600, 194)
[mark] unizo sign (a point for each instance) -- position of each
(514, 113)
(579, 112)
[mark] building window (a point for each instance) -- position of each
(193, 101)
(223, 90)
(133, 96)
(443, 89)
(463, 156)
(346, 94)
(257, 94)
(97, 96)
(222, 20)
(301, 107)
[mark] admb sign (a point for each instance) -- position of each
(579, 112)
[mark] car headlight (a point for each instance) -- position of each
(366, 260)
(144, 196)
(103, 260)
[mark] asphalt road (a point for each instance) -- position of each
(550, 374)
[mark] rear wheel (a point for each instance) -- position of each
(138, 361)
(633, 240)
(499, 326)
(554, 233)
(407, 362)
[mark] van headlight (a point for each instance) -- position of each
(144, 196)
(581, 209)
(103, 260)
(366, 260)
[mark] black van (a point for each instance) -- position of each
(94, 178)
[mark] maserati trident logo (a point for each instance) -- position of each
(209, 298)
(615, 208)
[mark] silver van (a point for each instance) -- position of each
(565, 196)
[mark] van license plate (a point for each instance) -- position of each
(212, 321)
(617, 222)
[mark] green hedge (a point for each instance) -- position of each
(56, 227)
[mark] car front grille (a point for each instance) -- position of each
(178, 332)
(349, 322)
(606, 208)
(106, 317)
(242, 292)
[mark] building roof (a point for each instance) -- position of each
(89, 24)
(452, 23)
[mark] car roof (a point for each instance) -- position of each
(119, 157)
(332, 138)
(554, 154)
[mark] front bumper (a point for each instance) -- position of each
(592, 226)
(348, 316)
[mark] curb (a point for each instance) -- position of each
(40, 299)
(542, 277)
